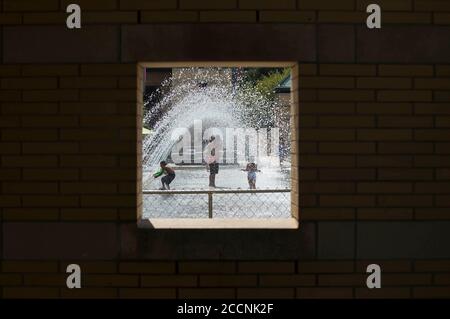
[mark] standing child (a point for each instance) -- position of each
(166, 180)
(251, 170)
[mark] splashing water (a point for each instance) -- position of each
(209, 95)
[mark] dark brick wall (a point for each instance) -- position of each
(374, 160)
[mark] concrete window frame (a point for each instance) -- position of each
(220, 223)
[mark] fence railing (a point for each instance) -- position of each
(222, 203)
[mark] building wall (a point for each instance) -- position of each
(373, 152)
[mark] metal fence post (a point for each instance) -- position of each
(210, 204)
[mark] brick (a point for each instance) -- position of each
(30, 5)
(347, 69)
(169, 16)
(108, 121)
(354, 174)
(91, 6)
(326, 135)
(432, 5)
(29, 161)
(407, 18)
(385, 293)
(432, 135)
(57, 280)
(49, 121)
(28, 83)
(108, 201)
(145, 4)
(324, 188)
(442, 148)
(314, 214)
(405, 121)
(384, 188)
(29, 135)
(388, 5)
(315, 267)
(326, 107)
(346, 148)
(405, 148)
(341, 17)
(88, 188)
(34, 214)
(386, 213)
(326, 82)
(141, 293)
(405, 174)
(266, 267)
(443, 174)
(432, 188)
(29, 267)
(50, 70)
(10, 18)
(384, 83)
(49, 201)
(88, 108)
(88, 214)
(9, 201)
(108, 69)
(405, 200)
(267, 4)
(336, 43)
(9, 70)
(347, 200)
(30, 188)
(431, 292)
(404, 96)
(431, 161)
(82, 134)
(326, 5)
(441, 70)
(387, 266)
(342, 280)
(111, 280)
(265, 293)
(405, 70)
(55, 174)
(287, 16)
(207, 267)
(228, 281)
(432, 213)
(10, 96)
(206, 4)
(50, 148)
(50, 95)
(108, 95)
(169, 281)
(441, 18)
(87, 82)
(206, 293)
(441, 96)
(384, 161)
(442, 200)
(9, 174)
(30, 292)
(227, 16)
(92, 267)
(432, 266)
(29, 108)
(89, 293)
(384, 134)
(435, 84)
(443, 122)
(108, 174)
(28, 44)
(347, 121)
(10, 280)
(326, 161)
(320, 293)
(110, 17)
(432, 108)
(147, 267)
(346, 95)
(384, 108)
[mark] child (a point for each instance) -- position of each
(166, 180)
(251, 170)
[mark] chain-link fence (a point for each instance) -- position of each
(237, 203)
